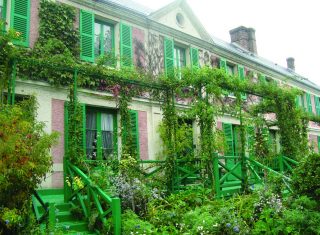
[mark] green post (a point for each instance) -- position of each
(116, 215)
(244, 167)
(75, 85)
(13, 83)
(281, 164)
(52, 217)
(216, 175)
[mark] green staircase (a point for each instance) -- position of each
(59, 211)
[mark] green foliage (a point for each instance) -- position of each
(132, 224)
(57, 22)
(306, 177)
(24, 161)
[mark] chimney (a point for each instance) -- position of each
(244, 37)
(290, 63)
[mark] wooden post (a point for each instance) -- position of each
(116, 215)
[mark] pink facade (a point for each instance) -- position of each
(139, 54)
(57, 117)
(34, 22)
(313, 141)
(143, 135)
(313, 104)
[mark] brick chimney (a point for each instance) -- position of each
(290, 63)
(244, 37)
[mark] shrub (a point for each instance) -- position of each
(306, 177)
(24, 161)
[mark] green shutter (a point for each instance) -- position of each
(309, 104)
(317, 104)
(134, 130)
(298, 101)
(302, 102)
(87, 36)
(20, 20)
(194, 58)
(262, 78)
(126, 45)
(227, 129)
(318, 144)
(241, 77)
(223, 65)
(169, 57)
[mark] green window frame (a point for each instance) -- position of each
(3, 9)
(241, 76)
(309, 104)
(20, 21)
(100, 134)
(104, 40)
(317, 104)
(126, 54)
(179, 59)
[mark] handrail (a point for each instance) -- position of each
(44, 205)
(97, 194)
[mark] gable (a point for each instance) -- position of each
(178, 15)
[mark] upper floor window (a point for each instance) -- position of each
(103, 39)
(179, 57)
(2, 9)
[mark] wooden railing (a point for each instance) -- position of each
(227, 171)
(91, 194)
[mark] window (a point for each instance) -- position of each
(179, 57)
(103, 39)
(101, 134)
(96, 38)
(3, 9)
(317, 105)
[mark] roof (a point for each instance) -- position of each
(232, 47)
(129, 4)
(236, 49)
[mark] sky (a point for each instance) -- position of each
(284, 28)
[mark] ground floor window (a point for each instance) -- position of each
(101, 134)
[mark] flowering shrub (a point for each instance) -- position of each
(24, 162)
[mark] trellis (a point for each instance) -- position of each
(207, 79)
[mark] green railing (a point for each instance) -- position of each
(227, 172)
(90, 194)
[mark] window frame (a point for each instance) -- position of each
(98, 129)
(102, 38)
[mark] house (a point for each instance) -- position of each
(153, 41)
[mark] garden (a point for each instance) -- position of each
(182, 191)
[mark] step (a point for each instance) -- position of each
(73, 226)
(64, 216)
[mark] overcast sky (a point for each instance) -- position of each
(284, 28)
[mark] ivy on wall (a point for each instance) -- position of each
(57, 22)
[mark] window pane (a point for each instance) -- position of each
(91, 135)
(97, 41)
(106, 122)
(91, 120)
(107, 38)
